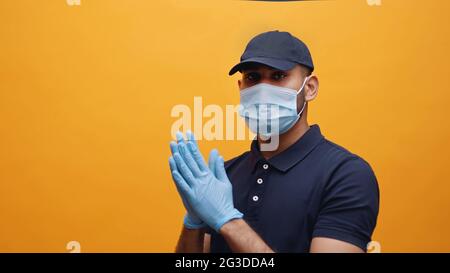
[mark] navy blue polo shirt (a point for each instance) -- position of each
(314, 188)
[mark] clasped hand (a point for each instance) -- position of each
(205, 190)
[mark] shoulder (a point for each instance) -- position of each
(350, 172)
(342, 158)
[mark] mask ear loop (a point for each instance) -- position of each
(303, 85)
(299, 91)
(304, 103)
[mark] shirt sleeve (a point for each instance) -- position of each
(350, 204)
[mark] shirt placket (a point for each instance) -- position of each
(256, 193)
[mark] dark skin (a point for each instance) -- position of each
(238, 234)
(255, 73)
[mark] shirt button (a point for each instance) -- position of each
(265, 166)
(259, 181)
(255, 198)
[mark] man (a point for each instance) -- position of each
(306, 195)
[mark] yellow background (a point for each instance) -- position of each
(86, 93)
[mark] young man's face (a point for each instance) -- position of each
(255, 73)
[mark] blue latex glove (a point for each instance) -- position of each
(191, 220)
(207, 190)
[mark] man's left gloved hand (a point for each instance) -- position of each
(207, 191)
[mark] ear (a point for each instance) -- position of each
(239, 84)
(311, 88)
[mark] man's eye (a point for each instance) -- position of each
(279, 76)
(251, 77)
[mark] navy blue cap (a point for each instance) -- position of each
(277, 49)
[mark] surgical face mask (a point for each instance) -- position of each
(270, 110)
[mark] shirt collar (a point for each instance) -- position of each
(293, 154)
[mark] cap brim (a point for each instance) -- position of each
(275, 63)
